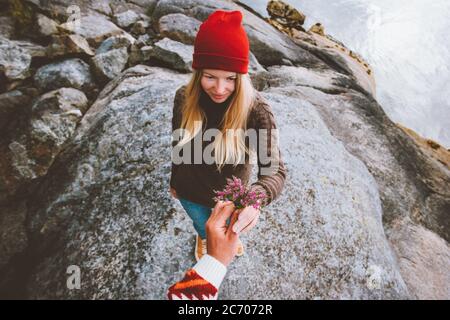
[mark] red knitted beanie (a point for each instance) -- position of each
(221, 43)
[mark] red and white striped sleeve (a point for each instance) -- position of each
(202, 282)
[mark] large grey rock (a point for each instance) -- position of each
(126, 19)
(14, 60)
(73, 73)
(12, 104)
(176, 54)
(413, 186)
(143, 40)
(111, 57)
(254, 67)
(146, 4)
(65, 10)
(403, 171)
(6, 27)
(47, 26)
(256, 72)
(424, 260)
(68, 44)
(119, 7)
(324, 80)
(68, 10)
(34, 49)
(54, 117)
(140, 55)
(338, 57)
(94, 28)
(56, 114)
(179, 27)
(140, 27)
(114, 42)
(129, 112)
(108, 65)
(13, 236)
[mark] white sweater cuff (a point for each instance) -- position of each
(211, 269)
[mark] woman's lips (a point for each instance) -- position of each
(218, 97)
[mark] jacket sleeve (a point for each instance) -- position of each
(202, 282)
(176, 123)
(271, 169)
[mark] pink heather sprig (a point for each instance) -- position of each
(241, 195)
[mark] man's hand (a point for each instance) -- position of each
(222, 242)
(247, 219)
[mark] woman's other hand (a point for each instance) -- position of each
(247, 219)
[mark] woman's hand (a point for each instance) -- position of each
(173, 193)
(247, 219)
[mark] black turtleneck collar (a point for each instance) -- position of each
(210, 106)
(214, 111)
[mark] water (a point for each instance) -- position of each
(406, 42)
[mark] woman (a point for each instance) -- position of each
(220, 99)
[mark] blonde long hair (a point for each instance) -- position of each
(229, 146)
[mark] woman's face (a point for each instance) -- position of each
(218, 84)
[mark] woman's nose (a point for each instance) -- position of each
(220, 88)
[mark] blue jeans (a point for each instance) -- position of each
(199, 215)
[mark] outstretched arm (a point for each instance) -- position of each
(202, 282)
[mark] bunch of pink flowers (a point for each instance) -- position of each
(241, 195)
